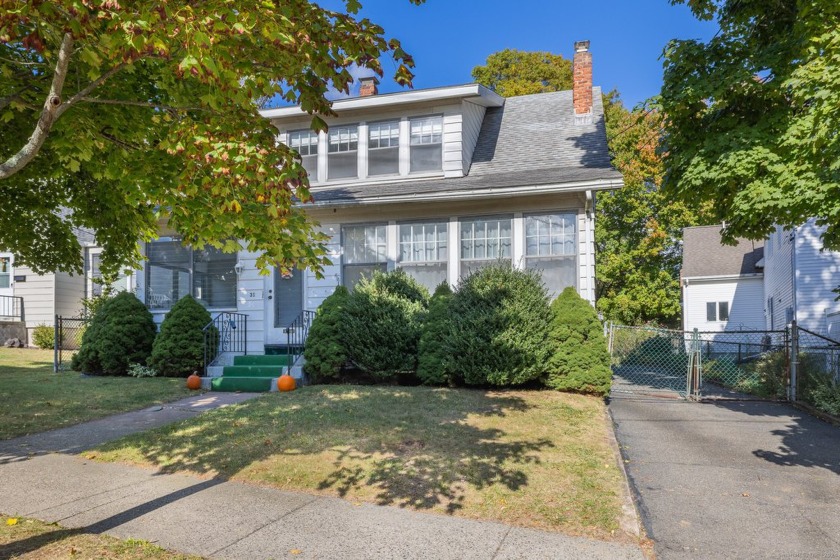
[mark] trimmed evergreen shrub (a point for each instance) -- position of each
(120, 333)
(432, 359)
(325, 353)
(178, 350)
(44, 336)
(580, 361)
(381, 329)
(500, 323)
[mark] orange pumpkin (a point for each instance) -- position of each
(193, 382)
(286, 383)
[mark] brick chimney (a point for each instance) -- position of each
(582, 79)
(368, 86)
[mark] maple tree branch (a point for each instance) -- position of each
(147, 104)
(49, 114)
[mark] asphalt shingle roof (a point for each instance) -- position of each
(532, 140)
(704, 255)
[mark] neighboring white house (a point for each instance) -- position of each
(800, 279)
(439, 182)
(723, 285)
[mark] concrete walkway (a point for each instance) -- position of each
(732, 479)
(222, 519)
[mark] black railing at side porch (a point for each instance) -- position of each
(227, 332)
(11, 308)
(296, 334)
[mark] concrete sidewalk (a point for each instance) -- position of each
(732, 479)
(221, 519)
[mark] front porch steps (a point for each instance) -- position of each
(252, 374)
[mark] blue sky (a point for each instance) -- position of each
(449, 37)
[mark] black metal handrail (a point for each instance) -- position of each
(296, 334)
(11, 308)
(227, 332)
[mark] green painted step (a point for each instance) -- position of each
(244, 384)
(261, 360)
(253, 371)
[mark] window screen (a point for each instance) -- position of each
(426, 153)
(305, 142)
(424, 252)
(364, 251)
(550, 247)
(174, 271)
(214, 278)
(711, 311)
(384, 148)
(343, 160)
(723, 311)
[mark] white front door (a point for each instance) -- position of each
(7, 278)
(283, 304)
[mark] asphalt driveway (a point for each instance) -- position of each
(732, 479)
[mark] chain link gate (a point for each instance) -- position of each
(816, 370)
(693, 364)
(68, 340)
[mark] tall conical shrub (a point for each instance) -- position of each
(178, 350)
(580, 362)
(432, 361)
(325, 353)
(120, 333)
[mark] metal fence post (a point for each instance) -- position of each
(794, 360)
(56, 338)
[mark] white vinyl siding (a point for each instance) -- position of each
(426, 153)
(424, 252)
(778, 279)
(343, 148)
(743, 298)
(470, 129)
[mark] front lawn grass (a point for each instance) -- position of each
(29, 538)
(34, 399)
(530, 458)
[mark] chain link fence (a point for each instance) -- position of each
(68, 340)
(817, 371)
(649, 360)
(744, 363)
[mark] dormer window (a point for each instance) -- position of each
(426, 144)
(305, 142)
(384, 148)
(343, 148)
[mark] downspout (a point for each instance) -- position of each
(793, 272)
(590, 242)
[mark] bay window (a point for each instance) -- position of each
(174, 271)
(343, 156)
(305, 142)
(483, 242)
(364, 251)
(550, 246)
(426, 153)
(384, 148)
(424, 252)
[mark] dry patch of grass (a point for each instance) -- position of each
(34, 399)
(27, 538)
(531, 458)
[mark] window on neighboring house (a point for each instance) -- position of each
(484, 241)
(95, 285)
(305, 142)
(343, 148)
(426, 152)
(5, 272)
(384, 148)
(174, 271)
(424, 252)
(550, 246)
(717, 311)
(364, 251)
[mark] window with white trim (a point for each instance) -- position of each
(717, 311)
(364, 251)
(426, 146)
(384, 148)
(343, 152)
(483, 242)
(174, 271)
(424, 252)
(550, 247)
(305, 142)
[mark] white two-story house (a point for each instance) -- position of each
(439, 182)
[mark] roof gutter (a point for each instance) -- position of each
(687, 280)
(468, 194)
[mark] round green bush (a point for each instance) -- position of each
(381, 329)
(500, 323)
(120, 333)
(580, 362)
(44, 336)
(178, 350)
(325, 354)
(432, 360)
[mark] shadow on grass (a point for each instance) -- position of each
(407, 446)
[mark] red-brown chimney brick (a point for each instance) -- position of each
(368, 87)
(582, 78)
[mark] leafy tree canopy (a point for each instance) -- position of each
(512, 72)
(117, 115)
(754, 115)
